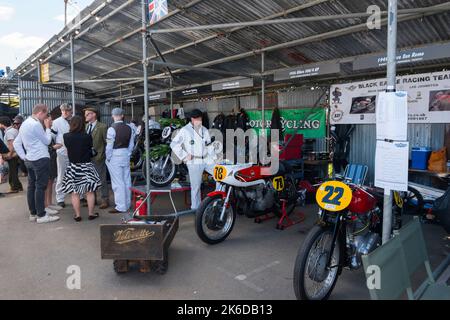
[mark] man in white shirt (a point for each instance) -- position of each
(191, 146)
(31, 146)
(60, 127)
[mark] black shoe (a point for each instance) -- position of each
(115, 211)
(77, 219)
(61, 204)
(94, 216)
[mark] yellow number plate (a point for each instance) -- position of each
(278, 183)
(220, 173)
(333, 196)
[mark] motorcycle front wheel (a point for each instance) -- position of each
(161, 175)
(208, 226)
(312, 279)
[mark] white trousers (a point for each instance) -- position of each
(62, 161)
(119, 170)
(195, 178)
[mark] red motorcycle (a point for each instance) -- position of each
(350, 225)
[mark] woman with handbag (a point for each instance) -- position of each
(80, 177)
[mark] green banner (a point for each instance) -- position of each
(307, 121)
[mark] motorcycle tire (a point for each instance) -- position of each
(167, 181)
(416, 208)
(300, 267)
(199, 223)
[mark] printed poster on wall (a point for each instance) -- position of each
(307, 121)
(428, 99)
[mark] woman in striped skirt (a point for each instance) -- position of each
(80, 177)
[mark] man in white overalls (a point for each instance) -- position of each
(191, 146)
(119, 145)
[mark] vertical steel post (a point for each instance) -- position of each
(391, 82)
(171, 98)
(144, 65)
(121, 102)
(72, 74)
(263, 93)
(132, 106)
(39, 82)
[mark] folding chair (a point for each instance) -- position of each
(415, 252)
(393, 271)
(356, 173)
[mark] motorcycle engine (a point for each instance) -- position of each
(261, 197)
(361, 240)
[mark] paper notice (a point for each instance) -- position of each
(392, 116)
(391, 165)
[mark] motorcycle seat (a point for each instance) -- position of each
(283, 168)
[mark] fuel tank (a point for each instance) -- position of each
(362, 201)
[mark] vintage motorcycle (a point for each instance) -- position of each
(243, 189)
(350, 225)
(163, 169)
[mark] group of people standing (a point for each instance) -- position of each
(75, 151)
(78, 152)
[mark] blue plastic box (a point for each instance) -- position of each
(419, 158)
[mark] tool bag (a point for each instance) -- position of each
(438, 160)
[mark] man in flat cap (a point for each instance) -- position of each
(119, 145)
(59, 128)
(97, 131)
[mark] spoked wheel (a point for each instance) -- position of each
(208, 225)
(162, 173)
(313, 280)
(136, 159)
(413, 202)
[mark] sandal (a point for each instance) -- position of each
(94, 216)
(77, 219)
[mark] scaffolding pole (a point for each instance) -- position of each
(144, 66)
(171, 98)
(72, 74)
(263, 93)
(39, 82)
(132, 106)
(391, 81)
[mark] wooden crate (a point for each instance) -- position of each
(138, 241)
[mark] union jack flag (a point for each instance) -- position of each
(157, 10)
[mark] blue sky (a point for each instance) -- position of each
(25, 25)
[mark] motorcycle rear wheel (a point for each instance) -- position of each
(207, 226)
(310, 265)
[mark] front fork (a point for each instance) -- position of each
(336, 234)
(165, 161)
(225, 204)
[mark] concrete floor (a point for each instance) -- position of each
(255, 262)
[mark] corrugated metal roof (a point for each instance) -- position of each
(113, 50)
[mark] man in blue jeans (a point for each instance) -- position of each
(32, 146)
